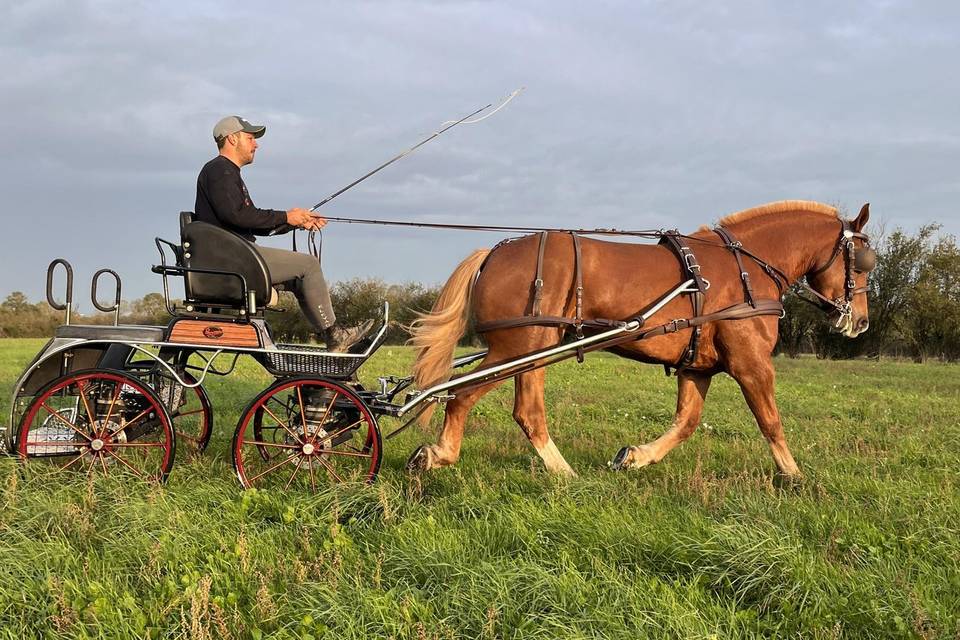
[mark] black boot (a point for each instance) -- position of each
(340, 339)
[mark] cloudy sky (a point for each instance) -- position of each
(636, 114)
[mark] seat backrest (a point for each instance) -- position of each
(186, 217)
(207, 246)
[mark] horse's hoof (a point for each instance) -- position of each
(619, 461)
(787, 481)
(419, 460)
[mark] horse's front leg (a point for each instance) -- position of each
(756, 380)
(530, 413)
(447, 449)
(692, 389)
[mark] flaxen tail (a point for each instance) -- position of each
(436, 334)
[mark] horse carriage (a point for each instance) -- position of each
(120, 399)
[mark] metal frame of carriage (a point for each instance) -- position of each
(126, 394)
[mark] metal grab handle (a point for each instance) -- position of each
(68, 305)
(116, 301)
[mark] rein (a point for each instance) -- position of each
(639, 233)
(856, 262)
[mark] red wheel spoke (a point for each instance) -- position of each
(282, 423)
(336, 394)
(303, 414)
(113, 402)
(83, 396)
(272, 444)
(79, 456)
(103, 463)
(66, 422)
(263, 473)
(127, 423)
(333, 435)
(294, 475)
(331, 470)
(127, 464)
(188, 413)
(347, 453)
(93, 463)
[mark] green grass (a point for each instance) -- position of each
(702, 545)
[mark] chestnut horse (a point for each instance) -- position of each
(798, 238)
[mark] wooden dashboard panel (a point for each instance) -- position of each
(218, 334)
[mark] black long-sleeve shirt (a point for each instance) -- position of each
(223, 200)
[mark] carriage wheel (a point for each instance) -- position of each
(98, 421)
(193, 417)
(189, 407)
(306, 432)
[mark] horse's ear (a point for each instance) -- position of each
(861, 220)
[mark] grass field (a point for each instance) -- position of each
(700, 546)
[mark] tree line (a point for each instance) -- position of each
(914, 303)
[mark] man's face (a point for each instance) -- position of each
(246, 146)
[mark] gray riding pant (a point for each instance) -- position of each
(313, 295)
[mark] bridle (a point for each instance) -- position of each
(856, 260)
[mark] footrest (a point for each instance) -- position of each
(298, 359)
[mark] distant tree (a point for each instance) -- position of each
(150, 309)
(800, 319)
(931, 321)
(16, 302)
(355, 301)
(900, 262)
(289, 325)
(21, 319)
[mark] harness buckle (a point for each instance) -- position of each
(674, 325)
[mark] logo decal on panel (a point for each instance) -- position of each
(213, 332)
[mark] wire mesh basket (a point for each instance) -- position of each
(169, 391)
(309, 360)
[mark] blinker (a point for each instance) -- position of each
(864, 260)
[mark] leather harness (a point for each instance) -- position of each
(751, 307)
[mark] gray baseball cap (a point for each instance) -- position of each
(235, 124)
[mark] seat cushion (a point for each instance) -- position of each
(130, 332)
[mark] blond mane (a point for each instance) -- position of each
(780, 206)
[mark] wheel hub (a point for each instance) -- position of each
(97, 444)
(308, 449)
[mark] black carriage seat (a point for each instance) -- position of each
(123, 332)
(207, 246)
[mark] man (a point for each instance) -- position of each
(223, 200)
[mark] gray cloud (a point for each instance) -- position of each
(640, 115)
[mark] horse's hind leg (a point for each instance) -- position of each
(692, 389)
(447, 449)
(531, 414)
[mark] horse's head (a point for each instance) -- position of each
(841, 284)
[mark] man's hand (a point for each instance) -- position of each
(304, 219)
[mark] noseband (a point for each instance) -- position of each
(856, 260)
